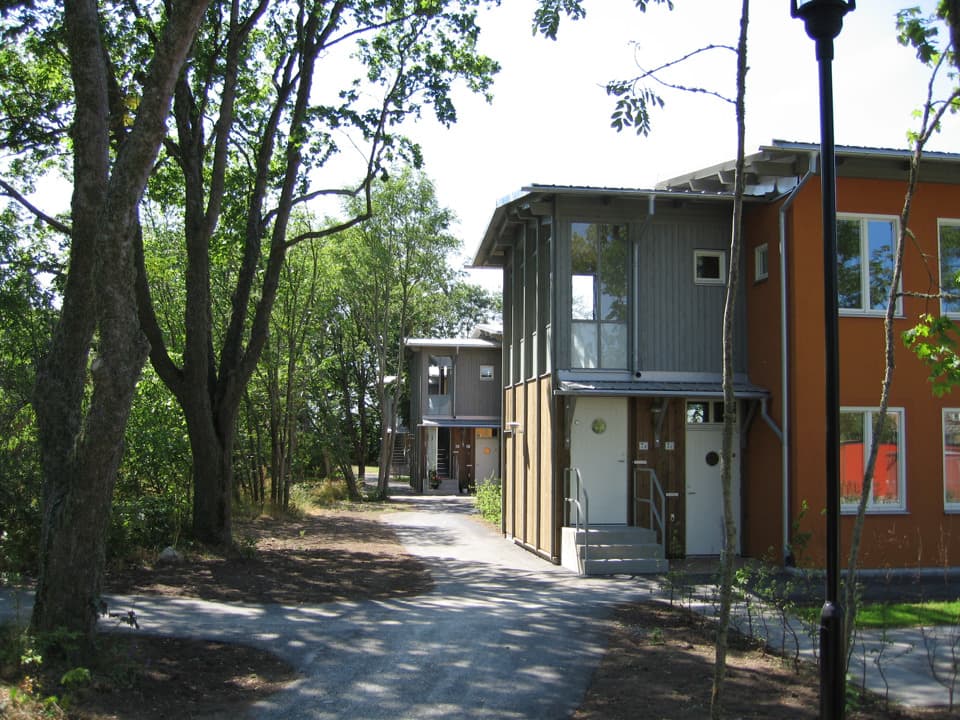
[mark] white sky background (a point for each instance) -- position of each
(550, 119)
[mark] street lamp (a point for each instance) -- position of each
(823, 20)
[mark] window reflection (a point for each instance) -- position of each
(599, 295)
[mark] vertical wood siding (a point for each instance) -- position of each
(681, 323)
(473, 396)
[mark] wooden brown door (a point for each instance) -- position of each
(658, 444)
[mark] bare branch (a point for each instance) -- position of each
(13, 193)
(326, 232)
(653, 73)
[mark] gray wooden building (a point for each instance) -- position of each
(456, 390)
(613, 301)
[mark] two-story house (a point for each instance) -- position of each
(612, 397)
(455, 395)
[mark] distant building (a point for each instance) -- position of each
(455, 399)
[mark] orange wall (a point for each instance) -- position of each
(761, 459)
(923, 535)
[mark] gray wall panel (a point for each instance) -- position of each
(681, 322)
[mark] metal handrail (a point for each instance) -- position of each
(583, 510)
(656, 493)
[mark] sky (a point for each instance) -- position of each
(549, 121)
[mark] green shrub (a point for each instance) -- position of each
(19, 651)
(488, 499)
(325, 493)
(145, 522)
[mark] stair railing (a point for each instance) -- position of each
(581, 502)
(655, 501)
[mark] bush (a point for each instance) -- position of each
(325, 493)
(488, 499)
(147, 522)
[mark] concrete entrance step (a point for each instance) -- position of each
(612, 550)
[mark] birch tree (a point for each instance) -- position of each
(634, 101)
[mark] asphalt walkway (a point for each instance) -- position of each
(503, 635)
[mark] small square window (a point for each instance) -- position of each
(486, 372)
(709, 267)
(760, 263)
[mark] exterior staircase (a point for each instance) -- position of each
(443, 464)
(399, 461)
(612, 550)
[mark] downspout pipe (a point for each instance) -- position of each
(641, 233)
(784, 433)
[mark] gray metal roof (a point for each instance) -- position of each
(769, 174)
(451, 343)
(778, 167)
(658, 388)
(461, 422)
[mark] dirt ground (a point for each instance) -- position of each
(659, 663)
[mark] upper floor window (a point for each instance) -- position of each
(950, 266)
(599, 301)
(439, 385)
(865, 247)
(486, 372)
(857, 429)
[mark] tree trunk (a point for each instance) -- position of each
(212, 449)
(387, 435)
(81, 448)
(728, 555)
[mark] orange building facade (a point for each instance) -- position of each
(913, 518)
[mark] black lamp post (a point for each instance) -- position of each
(824, 20)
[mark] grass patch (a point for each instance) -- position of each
(895, 615)
(877, 616)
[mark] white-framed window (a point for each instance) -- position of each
(888, 490)
(486, 372)
(760, 259)
(709, 267)
(599, 295)
(951, 459)
(865, 245)
(949, 235)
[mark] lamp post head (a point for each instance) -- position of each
(823, 18)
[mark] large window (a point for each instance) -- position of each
(951, 460)
(865, 262)
(857, 428)
(950, 266)
(439, 385)
(599, 287)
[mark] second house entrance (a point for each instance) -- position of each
(704, 489)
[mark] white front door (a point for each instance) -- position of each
(598, 448)
(704, 511)
(487, 458)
